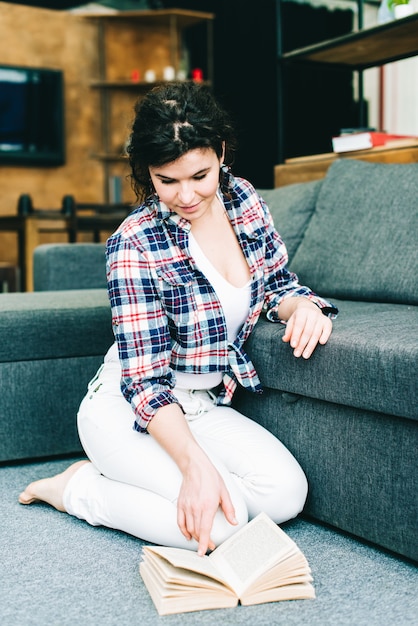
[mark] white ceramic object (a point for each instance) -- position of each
(402, 10)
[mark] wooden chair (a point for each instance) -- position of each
(96, 218)
(71, 218)
(29, 224)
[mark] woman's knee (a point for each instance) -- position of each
(289, 497)
(281, 495)
(222, 529)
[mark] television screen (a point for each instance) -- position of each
(31, 116)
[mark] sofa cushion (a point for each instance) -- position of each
(54, 324)
(361, 242)
(292, 207)
(365, 364)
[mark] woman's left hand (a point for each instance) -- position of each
(306, 325)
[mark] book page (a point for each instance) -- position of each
(252, 551)
(299, 591)
(172, 576)
(172, 598)
(296, 569)
(187, 560)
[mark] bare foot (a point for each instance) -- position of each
(50, 490)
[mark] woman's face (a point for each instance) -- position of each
(188, 185)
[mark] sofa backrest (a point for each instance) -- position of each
(292, 207)
(361, 241)
(65, 266)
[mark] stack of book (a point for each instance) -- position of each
(353, 140)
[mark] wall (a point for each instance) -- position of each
(58, 40)
(392, 90)
(401, 97)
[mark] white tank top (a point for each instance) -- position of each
(235, 303)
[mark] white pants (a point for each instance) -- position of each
(132, 484)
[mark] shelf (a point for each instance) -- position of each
(370, 47)
(314, 167)
(123, 84)
(110, 157)
(183, 17)
(127, 84)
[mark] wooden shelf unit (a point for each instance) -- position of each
(134, 42)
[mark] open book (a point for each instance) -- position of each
(260, 563)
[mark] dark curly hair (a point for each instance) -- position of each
(170, 120)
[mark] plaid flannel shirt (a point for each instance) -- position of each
(165, 313)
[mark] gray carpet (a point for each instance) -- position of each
(58, 571)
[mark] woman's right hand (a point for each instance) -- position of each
(203, 490)
(202, 493)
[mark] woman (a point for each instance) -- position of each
(189, 272)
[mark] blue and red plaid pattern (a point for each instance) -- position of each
(166, 315)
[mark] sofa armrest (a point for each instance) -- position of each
(51, 344)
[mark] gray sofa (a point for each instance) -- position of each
(349, 414)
